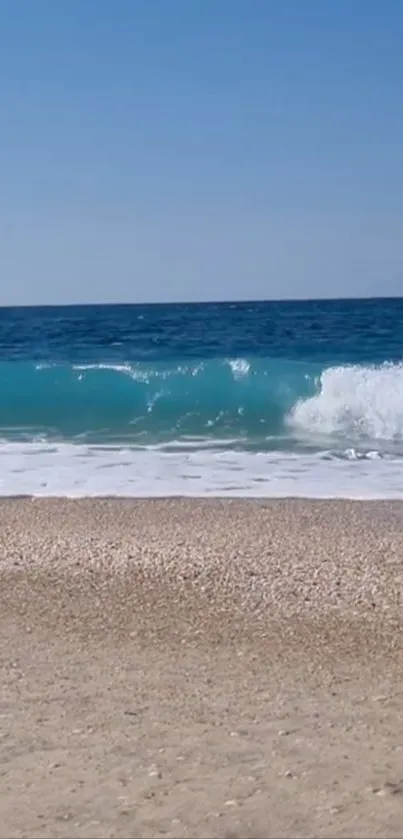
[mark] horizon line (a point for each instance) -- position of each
(216, 302)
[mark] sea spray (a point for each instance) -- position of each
(354, 402)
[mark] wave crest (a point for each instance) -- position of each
(355, 402)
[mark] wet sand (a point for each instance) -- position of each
(188, 668)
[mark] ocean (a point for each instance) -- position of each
(218, 399)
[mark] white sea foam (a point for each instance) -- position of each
(240, 367)
(355, 402)
(77, 470)
(118, 368)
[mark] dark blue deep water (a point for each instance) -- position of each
(279, 375)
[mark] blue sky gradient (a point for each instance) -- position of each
(200, 149)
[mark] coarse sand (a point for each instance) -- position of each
(201, 668)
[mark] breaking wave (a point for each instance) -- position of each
(251, 401)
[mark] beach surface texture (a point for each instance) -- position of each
(209, 668)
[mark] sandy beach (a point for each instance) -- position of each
(186, 668)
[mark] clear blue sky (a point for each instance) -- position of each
(200, 149)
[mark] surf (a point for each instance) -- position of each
(354, 402)
(246, 401)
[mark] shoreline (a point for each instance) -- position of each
(187, 667)
(200, 500)
(77, 471)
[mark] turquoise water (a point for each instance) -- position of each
(300, 382)
(264, 374)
